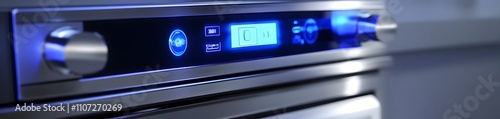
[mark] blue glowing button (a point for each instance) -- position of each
(246, 35)
(177, 42)
(213, 47)
(311, 31)
(212, 30)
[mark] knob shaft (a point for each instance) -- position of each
(71, 51)
(377, 27)
(386, 28)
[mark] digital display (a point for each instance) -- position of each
(177, 42)
(258, 34)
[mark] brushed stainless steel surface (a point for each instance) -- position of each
(364, 107)
(85, 86)
(68, 50)
(277, 101)
(65, 14)
(137, 97)
(9, 4)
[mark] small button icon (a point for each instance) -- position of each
(212, 30)
(248, 36)
(213, 47)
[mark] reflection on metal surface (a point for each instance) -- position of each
(348, 5)
(268, 101)
(386, 28)
(365, 107)
(352, 66)
(31, 67)
(126, 81)
(71, 51)
(353, 86)
(163, 94)
(205, 8)
(376, 26)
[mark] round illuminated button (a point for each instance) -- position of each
(177, 42)
(311, 31)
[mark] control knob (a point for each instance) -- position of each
(71, 51)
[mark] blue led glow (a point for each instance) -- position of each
(367, 25)
(213, 47)
(177, 42)
(52, 54)
(212, 30)
(255, 34)
(344, 22)
(311, 31)
(296, 29)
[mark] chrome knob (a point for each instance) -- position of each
(71, 51)
(377, 27)
(386, 28)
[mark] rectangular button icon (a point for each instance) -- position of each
(212, 30)
(213, 47)
(248, 35)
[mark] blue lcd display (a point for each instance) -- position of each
(257, 34)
